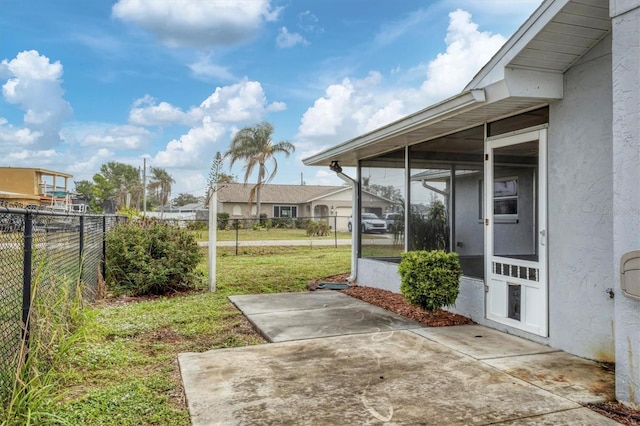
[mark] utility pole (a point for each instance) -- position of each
(144, 187)
(213, 229)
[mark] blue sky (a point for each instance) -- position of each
(87, 82)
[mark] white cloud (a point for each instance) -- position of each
(244, 101)
(467, 51)
(35, 85)
(286, 39)
(25, 157)
(308, 22)
(204, 68)
(91, 166)
(20, 136)
(145, 112)
(354, 106)
(194, 149)
(125, 137)
(196, 23)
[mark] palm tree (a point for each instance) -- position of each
(160, 182)
(253, 145)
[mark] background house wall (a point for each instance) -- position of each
(580, 227)
(19, 180)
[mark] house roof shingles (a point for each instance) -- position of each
(271, 193)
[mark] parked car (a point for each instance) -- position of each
(393, 222)
(369, 222)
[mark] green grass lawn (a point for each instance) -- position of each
(266, 234)
(125, 371)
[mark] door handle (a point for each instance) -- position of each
(543, 237)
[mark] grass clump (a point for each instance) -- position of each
(55, 319)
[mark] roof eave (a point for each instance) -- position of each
(433, 113)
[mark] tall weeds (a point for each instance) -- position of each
(55, 318)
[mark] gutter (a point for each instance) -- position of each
(355, 223)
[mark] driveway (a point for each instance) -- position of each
(338, 360)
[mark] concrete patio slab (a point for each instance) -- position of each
(251, 304)
(571, 377)
(576, 416)
(310, 315)
(482, 342)
(574, 378)
(395, 377)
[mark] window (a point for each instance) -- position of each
(505, 198)
(285, 211)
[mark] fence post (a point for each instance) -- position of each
(27, 281)
(237, 226)
(81, 243)
(104, 247)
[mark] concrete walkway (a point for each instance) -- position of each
(338, 360)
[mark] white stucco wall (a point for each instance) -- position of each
(580, 224)
(626, 192)
(378, 274)
(580, 227)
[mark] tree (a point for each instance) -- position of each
(184, 199)
(86, 191)
(216, 175)
(161, 182)
(115, 181)
(253, 145)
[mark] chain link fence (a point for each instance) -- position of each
(48, 249)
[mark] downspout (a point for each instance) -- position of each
(355, 223)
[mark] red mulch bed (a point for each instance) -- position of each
(395, 302)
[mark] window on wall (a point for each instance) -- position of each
(285, 211)
(505, 199)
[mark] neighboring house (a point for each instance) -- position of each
(189, 211)
(297, 201)
(34, 186)
(537, 161)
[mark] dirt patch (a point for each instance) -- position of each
(618, 412)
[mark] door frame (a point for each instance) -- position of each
(534, 307)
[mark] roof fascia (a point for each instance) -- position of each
(431, 114)
(327, 194)
(495, 68)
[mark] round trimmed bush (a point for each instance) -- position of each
(430, 279)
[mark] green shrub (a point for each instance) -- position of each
(317, 229)
(430, 279)
(223, 220)
(312, 228)
(302, 222)
(282, 222)
(197, 225)
(151, 259)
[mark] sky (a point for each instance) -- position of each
(88, 82)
